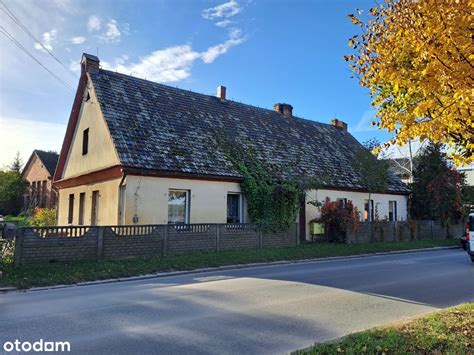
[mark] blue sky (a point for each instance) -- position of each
(263, 52)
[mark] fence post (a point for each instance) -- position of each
(260, 238)
(165, 240)
(18, 246)
(100, 242)
(432, 232)
(218, 237)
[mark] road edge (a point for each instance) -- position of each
(4, 290)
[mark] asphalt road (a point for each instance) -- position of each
(260, 310)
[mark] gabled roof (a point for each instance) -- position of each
(164, 129)
(49, 160)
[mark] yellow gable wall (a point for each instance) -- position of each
(101, 153)
(147, 197)
(107, 206)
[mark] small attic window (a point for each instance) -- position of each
(85, 141)
(88, 95)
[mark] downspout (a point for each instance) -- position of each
(121, 206)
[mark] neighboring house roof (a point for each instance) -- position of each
(466, 168)
(161, 128)
(49, 160)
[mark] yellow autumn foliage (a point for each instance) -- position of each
(417, 59)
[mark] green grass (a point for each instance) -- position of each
(70, 273)
(447, 332)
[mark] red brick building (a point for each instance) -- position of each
(38, 173)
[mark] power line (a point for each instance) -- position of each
(21, 47)
(15, 19)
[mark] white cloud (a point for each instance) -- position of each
(23, 135)
(112, 33)
(165, 65)
(78, 40)
(172, 63)
(224, 23)
(48, 38)
(235, 38)
(364, 124)
(227, 9)
(94, 23)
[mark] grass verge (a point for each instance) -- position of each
(447, 332)
(70, 273)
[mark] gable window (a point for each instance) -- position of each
(70, 215)
(234, 208)
(178, 206)
(85, 141)
(82, 198)
(369, 210)
(392, 210)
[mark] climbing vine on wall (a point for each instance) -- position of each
(274, 192)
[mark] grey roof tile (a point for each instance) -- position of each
(158, 127)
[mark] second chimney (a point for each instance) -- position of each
(285, 109)
(339, 124)
(221, 91)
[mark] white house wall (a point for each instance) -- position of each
(381, 202)
(147, 198)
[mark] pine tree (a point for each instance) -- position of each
(17, 164)
(436, 187)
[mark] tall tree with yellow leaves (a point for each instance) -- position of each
(417, 59)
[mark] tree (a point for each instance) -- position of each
(17, 164)
(436, 187)
(416, 59)
(373, 172)
(12, 188)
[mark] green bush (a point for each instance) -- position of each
(44, 217)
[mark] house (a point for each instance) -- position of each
(139, 152)
(38, 173)
(468, 173)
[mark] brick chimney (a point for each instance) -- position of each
(285, 109)
(221, 92)
(89, 62)
(339, 124)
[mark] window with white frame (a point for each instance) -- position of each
(234, 208)
(392, 210)
(178, 206)
(369, 210)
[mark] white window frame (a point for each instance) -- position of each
(241, 205)
(370, 210)
(187, 208)
(395, 211)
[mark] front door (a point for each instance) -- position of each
(95, 208)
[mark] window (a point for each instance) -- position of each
(70, 215)
(234, 208)
(178, 206)
(95, 208)
(82, 198)
(342, 202)
(369, 210)
(44, 191)
(392, 210)
(85, 141)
